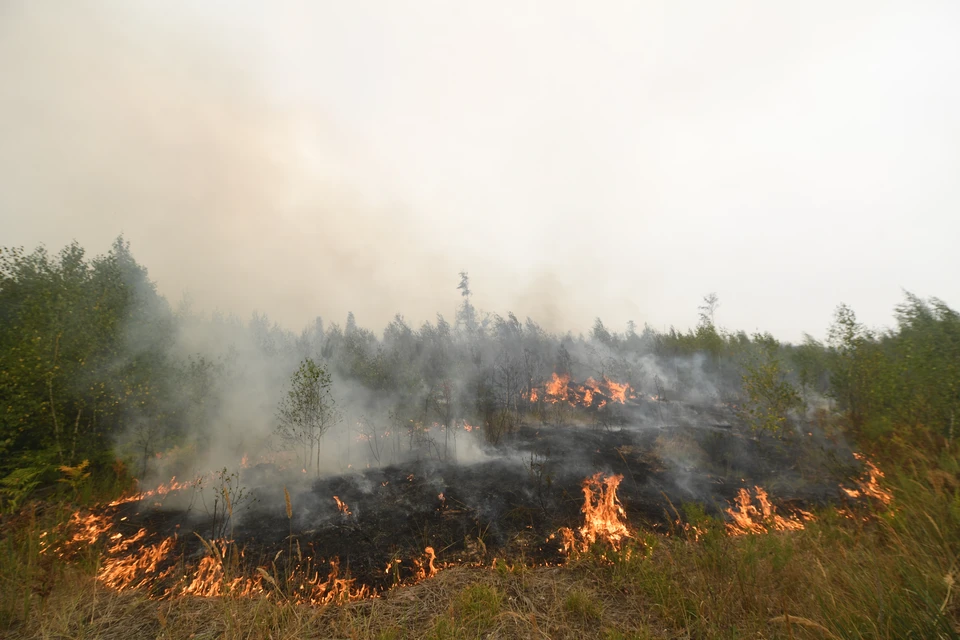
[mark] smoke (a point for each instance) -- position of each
(311, 159)
(122, 117)
(169, 126)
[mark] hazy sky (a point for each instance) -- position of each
(618, 159)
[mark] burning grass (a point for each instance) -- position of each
(814, 580)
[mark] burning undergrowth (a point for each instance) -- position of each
(538, 496)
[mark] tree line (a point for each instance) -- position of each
(94, 365)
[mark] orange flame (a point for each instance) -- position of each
(162, 490)
(869, 483)
(589, 394)
(138, 569)
(748, 518)
(604, 519)
(425, 566)
(131, 562)
(342, 506)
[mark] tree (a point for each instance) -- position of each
(466, 314)
(708, 309)
(768, 395)
(857, 364)
(307, 412)
(600, 333)
(83, 355)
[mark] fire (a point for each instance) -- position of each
(162, 490)
(589, 394)
(604, 519)
(603, 516)
(333, 588)
(87, 529)
(126, 569)
(342, 506)
(425, 566)
(869, 483)
(762, 517)
(589, 389)
(557, 388)
(619, 392)
(133, 561)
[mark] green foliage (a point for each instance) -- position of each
(308, 411)
(19, 484)
(582, 606)
(75, 477)
(472, 614)
(768, 396)
(908, 378)
(82, 348)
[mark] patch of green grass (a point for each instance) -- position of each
(582, 606)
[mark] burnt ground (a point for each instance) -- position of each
(509, 502)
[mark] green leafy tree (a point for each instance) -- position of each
(83, 350)
(768, 396)
(307, 412)
(860, 371)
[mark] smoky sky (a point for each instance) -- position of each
(615, 159)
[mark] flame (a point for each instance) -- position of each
(869, 483)
(245, 461)
(133, 561)
(137, 569)
(762, 517)
(160, 491)
(589, 389)
(604, 519)
(425, 566)
(591, 393)
(619, 392)
(342, 506)
(87, 529)
(557, 388)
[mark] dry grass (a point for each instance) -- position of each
(883, 574)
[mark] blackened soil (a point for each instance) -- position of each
(508, 503)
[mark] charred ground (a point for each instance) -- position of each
(508, 504)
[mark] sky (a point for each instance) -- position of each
(611, 159)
